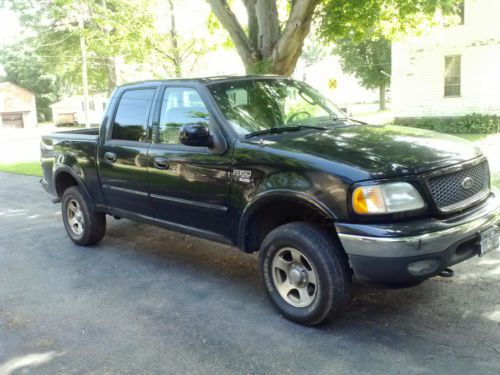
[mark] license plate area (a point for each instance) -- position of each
(489, 240)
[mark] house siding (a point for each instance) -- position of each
(418, 66)
(74, 105)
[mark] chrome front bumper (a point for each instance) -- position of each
(388, 241)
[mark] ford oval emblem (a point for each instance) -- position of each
(467, 183)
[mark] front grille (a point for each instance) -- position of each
(448, 190)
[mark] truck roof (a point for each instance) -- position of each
(206, 80)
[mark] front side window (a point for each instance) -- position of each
(131, 120)
(180, 106)
(256, 105)
(452, 76)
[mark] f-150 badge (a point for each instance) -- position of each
(241, 175)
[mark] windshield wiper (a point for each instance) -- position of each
(334, 120)
(283, 129)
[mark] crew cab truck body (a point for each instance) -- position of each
(267, 164)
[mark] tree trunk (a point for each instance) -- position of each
(267, 49)
(253, 26)
(381, 97)
(247, 51)
(112, 76)
(110, 61)
(177, 61)
(268, 26)
(289, 48)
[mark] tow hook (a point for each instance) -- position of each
(447, 272)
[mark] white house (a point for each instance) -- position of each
(17, 107)
(71, 110)
(452, 70)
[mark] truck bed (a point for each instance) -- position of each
(75, 134)
(74, 151)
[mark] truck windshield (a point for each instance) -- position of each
(257, 105)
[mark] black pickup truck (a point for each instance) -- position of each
(268, 164)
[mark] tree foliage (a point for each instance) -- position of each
(314, 51)
(369, 60)
(29, 71)
(177, 53)
(51, 46)
(47, 59)
(110, 27)
(359, 19)
(272, 39)
(362, 31)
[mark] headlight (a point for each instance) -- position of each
(386, 198)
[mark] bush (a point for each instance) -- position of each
(469, 124)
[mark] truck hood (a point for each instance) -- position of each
(382, 151)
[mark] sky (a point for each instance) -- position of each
(9, 26)
(10, 29)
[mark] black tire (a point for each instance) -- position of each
(323, 255)
(93, 224)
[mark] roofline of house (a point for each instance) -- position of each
(15, 84)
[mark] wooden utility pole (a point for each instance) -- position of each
(85, 82)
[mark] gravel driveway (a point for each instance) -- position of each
(148, 300)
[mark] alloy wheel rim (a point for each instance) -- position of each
(75, 217)
(294, 277)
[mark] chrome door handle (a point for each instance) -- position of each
(161, 163)
(110, 157)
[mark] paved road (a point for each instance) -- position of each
(151, 301)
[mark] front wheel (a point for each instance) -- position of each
(83, 226)
(305, 272)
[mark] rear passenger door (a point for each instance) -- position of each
(123, 155)
(189, 185)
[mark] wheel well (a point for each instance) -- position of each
(271, 215)
(63, 181)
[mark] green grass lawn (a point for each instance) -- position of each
(32, 168)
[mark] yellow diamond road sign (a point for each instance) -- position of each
(332, 83)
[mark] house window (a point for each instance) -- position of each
(452, 75)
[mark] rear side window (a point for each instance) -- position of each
(131, 118)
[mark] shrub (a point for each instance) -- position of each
(475, 123)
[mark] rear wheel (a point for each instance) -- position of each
(305, 272)
(83, 226)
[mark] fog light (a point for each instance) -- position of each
(423, 267)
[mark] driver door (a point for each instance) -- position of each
(189, 185)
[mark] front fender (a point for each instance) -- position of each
(279, 194)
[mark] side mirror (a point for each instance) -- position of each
(195, 135)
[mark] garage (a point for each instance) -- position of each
(17, 107)
(12, 120)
